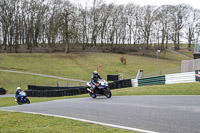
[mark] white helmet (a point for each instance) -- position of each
(18, 88)
(95, 73)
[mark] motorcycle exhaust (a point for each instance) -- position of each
(88, 89)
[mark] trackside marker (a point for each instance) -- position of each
(89, 121)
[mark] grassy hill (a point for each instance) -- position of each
(78, 66)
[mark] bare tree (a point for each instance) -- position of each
(145, 22)
(4, 18)
(67, 20)
(36, 22)
(165, 19)
(106, 12)
(192, 26)
(131, 12)
(179, 15)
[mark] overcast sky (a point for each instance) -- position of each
(194, 3)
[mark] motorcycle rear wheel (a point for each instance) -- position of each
(93, 95)
(19, 102)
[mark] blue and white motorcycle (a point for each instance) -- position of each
(101, 89)
(22, 98)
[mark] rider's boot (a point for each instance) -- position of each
(90, 90)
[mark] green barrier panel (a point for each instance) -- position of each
(156, 80)
(152, 83)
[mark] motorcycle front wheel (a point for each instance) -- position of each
(107, 93)
(27, 101)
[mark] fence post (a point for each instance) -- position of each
(57, 84)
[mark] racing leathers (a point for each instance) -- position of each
(94, 81)
(17, 94)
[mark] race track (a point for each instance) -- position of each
(164, 114)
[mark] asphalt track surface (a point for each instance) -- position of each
(164, 114)
(7, 95)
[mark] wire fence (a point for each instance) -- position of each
(11, 81)
(69, 84)
(190, 65)
(162, 72)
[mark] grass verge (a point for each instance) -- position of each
(23, 123)
(170, 89)
(10, 81)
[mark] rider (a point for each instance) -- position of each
(18, 90)
(94, 80)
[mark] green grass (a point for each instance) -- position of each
(182, 46)
(10, 81)
(80, 66)
(23, 123)
(170, 89)
(187, 53)
(77, 66)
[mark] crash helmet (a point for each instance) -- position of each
(19, 88)
(95, 73)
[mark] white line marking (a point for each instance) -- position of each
(89, 121)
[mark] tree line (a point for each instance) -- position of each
(36, 22)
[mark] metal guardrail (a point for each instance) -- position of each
(165, 79)
(156, 80)
(49, 91)
(180, 78)
(2, 91)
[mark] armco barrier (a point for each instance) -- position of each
(34, 87)
(56, 93)
(48, 91)
(186, 77)
(134, 82)
(120, 84)
(180, 78)
(156, 80)
(2, 91)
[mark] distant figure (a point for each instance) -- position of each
(123, 60)
(18, 90)
(94, 80)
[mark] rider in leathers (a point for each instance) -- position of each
(18, 90)
(94, 80)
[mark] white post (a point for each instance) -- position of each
(158, 51)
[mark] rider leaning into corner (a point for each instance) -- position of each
(94, 80)
(18, 90)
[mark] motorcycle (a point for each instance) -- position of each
(22, 98)
(101, 89)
